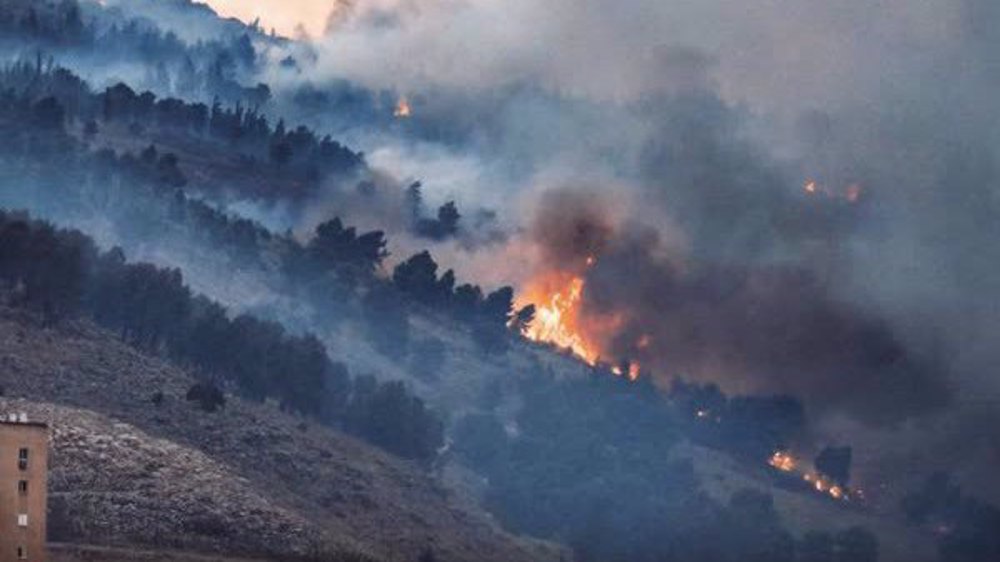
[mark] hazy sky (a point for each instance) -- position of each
(283, 15)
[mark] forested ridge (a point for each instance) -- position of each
(61, 273)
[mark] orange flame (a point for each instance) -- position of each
(632, 374)
(559, 320)
(633, 371)
(557, 316)
(402, 110)
(785, 462)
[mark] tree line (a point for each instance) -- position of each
(54, 97)
(105, 36)
(299, 156)
(61, 274)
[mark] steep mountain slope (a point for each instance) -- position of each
(246, 479)
(802, 512)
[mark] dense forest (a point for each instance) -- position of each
(62, 274)
(105, 38)
(40, 106)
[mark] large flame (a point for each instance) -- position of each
(557, 301)
(560, 319)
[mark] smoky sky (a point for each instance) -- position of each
(698, 124)
(707, 118)
(760, 328)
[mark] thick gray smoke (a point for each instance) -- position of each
(753, 328)
(873, 292)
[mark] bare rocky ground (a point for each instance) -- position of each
(74, 553)
(249, 480)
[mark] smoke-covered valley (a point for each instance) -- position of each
(792, 201)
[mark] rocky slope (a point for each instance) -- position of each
(249, 479)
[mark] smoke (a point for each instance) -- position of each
(686, 132)
(191, 22)
(810, 50)
(758, 329)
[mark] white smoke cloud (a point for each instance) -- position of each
(768, 53)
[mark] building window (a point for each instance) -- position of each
(22, 553)
(22, 458)
(22, 520)
(22, 486)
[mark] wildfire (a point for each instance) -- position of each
(851, 193)
(785, 462)
(558, 300)
(632, 373)
(402, 110)
(556, 317)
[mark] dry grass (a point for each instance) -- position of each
(347, 493)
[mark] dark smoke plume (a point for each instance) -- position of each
(752, 328)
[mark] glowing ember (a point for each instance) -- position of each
(783, 461)
(402, 110)
(633, 372)
(852, 193)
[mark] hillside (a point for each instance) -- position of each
(338, 327)
(246, 479)
(806, 512)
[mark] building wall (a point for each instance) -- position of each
(13, 501)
